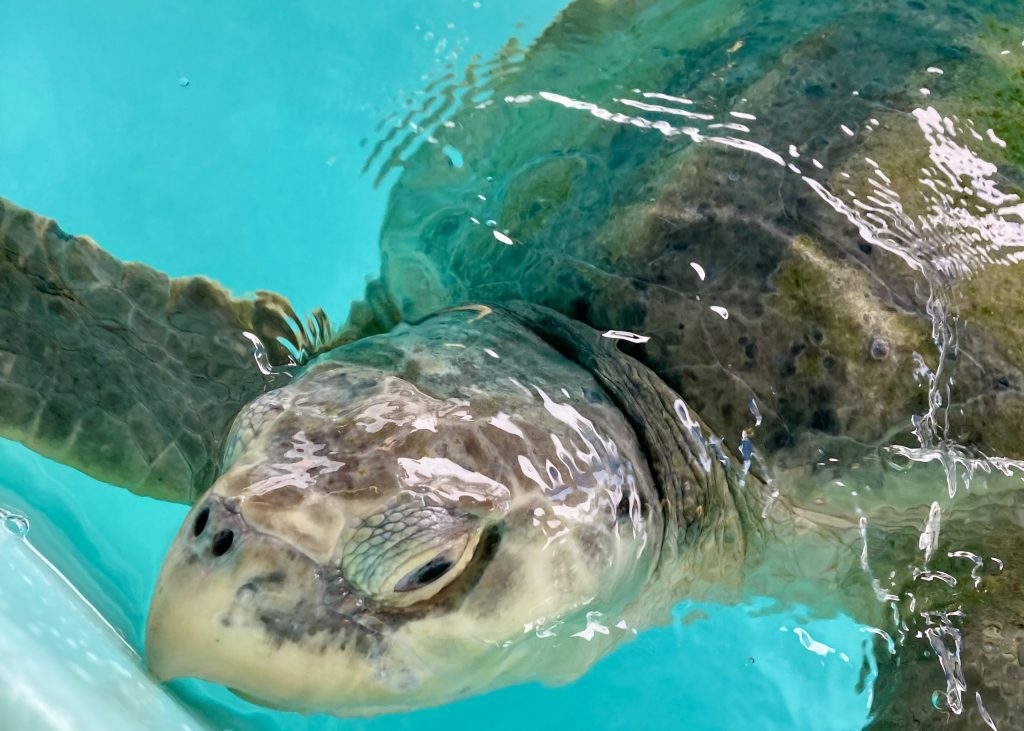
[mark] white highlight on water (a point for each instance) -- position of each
(625, 335)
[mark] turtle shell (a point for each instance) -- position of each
(771, 196)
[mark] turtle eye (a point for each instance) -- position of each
(428, 573)
(411, 553)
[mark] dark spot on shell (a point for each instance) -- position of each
(950, 52)
(779, 440)
(825, 420)
(797, 348)
(814, 91)
(750, 350)
(865, 247)
(828, 362)
(879, 349)
(788, 369)
(817, 336)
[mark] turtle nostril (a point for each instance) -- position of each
(200, 525)
(222, 542)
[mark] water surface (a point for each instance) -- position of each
(257, 144)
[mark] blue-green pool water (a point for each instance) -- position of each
(715, 667)
(228, 139)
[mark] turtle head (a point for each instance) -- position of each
(406, 533)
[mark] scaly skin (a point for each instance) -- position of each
(118, 370)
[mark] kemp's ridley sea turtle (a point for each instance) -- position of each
(616, 398)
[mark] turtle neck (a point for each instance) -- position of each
(700, 482)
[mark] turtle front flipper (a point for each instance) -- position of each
(120, 371)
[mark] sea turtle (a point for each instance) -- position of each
(637, 299)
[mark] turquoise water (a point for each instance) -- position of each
(228, 140)
(714, 668)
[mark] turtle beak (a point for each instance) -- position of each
(189, 617)
(186, 636)
(180, 640)
(226, 611)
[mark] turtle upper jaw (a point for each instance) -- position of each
(278, 628)
(256, 615)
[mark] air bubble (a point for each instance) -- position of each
(183, 81)
(16, 524)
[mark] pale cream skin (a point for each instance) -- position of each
(401, 530)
